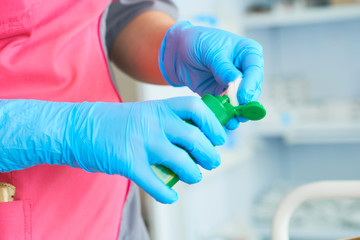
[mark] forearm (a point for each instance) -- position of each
(136, 49)
(31, 133)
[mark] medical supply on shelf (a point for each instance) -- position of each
(224, 111)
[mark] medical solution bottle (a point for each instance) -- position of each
(224, 111)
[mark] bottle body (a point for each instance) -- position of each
(216, 106)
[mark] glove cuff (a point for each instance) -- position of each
(32, 133)
(168, 52)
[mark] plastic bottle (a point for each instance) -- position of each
(224, 111)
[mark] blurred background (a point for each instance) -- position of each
(312, 131)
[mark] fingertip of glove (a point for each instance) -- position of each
(222, 136)
(196, 178)
(242, 119)
(217, 163)
(170, 199)
(217, 134)
(221, 139)
(232, 124)
(244, 98)
(174, 199)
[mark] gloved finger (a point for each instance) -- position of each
(177, 160)
(209, 86)
(155, 187)
(235, 122)
(248, 85)
(195, 110)
(252, 67)
(224, 69)
(241, 119)
(191, 139)
(257, 94)
(232, 124)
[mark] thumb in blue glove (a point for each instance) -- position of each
(113, 138)
(208, 59)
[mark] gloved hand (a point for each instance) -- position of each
(207, 59)
(113, 138)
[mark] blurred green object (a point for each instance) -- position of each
(224, 111)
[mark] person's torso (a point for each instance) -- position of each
(51, 50)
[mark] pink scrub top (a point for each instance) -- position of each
(51, 50)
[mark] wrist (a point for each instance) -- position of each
(168, 53)
(77, 134)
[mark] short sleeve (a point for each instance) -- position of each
(122, 12)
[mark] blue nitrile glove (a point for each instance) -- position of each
(207, 59)
(113, 138)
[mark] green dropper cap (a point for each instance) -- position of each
(224, 111)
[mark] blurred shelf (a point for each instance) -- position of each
(302, 16)
(323, 133)
(315, 233)
(314, 133)
(245, 230)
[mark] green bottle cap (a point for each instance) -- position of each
(224, 111)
